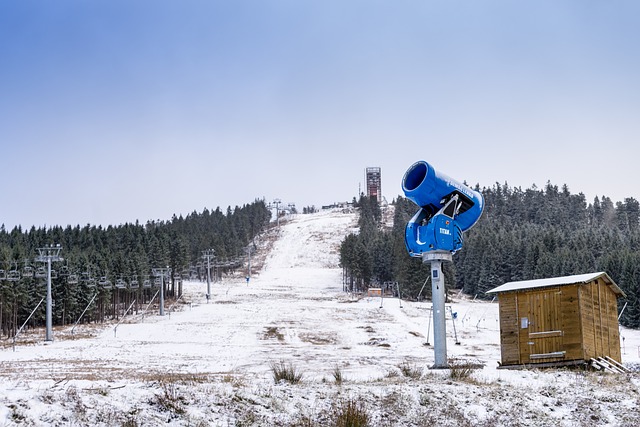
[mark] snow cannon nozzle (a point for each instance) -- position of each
(447, 208)
(432, 190)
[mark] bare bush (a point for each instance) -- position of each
(285, 372)
(410, 370)
(351, 413)
(461, 370)
(337, 375)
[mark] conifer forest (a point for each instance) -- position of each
(105, 270)
(522, 235)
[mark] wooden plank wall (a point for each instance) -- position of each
(571, 323)
(509, 346)
(524, 310)
(544, 322)
(599, 315)
(613, 325)
(580, 320)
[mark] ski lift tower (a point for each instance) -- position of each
(49, 254)
(447, 208)
(276, 204)
(208, 256)
(161, 273)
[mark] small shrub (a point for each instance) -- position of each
(303, 421)
(351, 413)
(410, 370)
(130, 422)
(392, 373)
(285, 372)
(273, 332)
(461, 371)
(171, 399)
(17, 414)
(234, 378)
(337, 375)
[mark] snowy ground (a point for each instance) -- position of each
(212, 363)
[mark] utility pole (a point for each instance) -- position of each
(208, 255)
(49, 254)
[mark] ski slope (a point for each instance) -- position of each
(210, 363)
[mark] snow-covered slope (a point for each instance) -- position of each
(211, 363)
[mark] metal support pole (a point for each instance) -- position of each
(23, 325)
(161, 273)
(453, 320)
(83, 312)
(150, 302)
(439, 326)
(49, 254)
(438, 302)
(162, 295)
(622, 311)
(115, 330)
(174, 304)
(208, 254)
(248, 264)
(49, 331)
(429, 325)
(208, 279)
(422, 288)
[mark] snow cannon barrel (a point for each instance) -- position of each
(431, 190)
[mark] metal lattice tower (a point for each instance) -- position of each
(374, 183)
(49, 254)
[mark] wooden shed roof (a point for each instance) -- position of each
(558, 281)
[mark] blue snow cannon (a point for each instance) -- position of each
(447, 208)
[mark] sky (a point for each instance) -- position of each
(113, 111)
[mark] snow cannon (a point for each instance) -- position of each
(447, 208)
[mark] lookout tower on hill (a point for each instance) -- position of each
(374, 183)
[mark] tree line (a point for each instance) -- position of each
(116, 254)
(522, 235)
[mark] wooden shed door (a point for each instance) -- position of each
(541, 326)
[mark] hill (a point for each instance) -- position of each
(213, 364)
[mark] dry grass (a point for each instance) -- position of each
(410, 370)
(351, 413)
(317, 338)
(337, 375)
(182, 378)
(285, 372)
(462, 370)
(272, 332)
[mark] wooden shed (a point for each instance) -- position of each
(559, 321)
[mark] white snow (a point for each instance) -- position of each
(211, 363)
(557, 281)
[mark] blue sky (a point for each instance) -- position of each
(115, 111)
